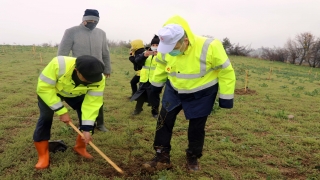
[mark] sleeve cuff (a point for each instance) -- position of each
(226, 103)
(62, 111)
(87, 128)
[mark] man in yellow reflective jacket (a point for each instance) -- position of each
(193, 69)
(80, 83)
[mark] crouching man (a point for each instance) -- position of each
(80, 83)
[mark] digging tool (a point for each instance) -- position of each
(97, 149)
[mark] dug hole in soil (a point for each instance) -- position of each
(245, 92)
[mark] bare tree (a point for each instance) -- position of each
(293, 53)
(304, 42)
(314, 61)
(240, 50)
(226, 44)
(275, 54)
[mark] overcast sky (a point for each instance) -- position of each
(265, 23)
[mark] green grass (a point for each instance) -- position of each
(254, 140)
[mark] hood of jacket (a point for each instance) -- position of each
(136, 44)
(182, 22)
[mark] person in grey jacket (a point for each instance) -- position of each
(86, 39)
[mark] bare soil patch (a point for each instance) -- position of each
(245, 92)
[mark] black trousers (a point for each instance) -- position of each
(43, 127)
(165, 125)
(144, 98)
(134, 84)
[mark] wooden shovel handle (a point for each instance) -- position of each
(97, 149)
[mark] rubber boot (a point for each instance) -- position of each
(136, 112)
(192, 163)
(102, 128)
(160, 162)
(81, 149)
(100, 123)
(43, 154)
(155, 112)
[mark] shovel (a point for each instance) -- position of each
(97, 149)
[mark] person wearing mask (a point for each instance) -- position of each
(86, 39)
(136, 49)
(148, 63)
(192, 68)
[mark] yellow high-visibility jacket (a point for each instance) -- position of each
(56, 78)
(202, 65)
(148, 68)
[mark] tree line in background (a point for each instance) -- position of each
(304, 49)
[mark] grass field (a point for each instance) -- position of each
(254, 140)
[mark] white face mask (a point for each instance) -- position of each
(154, 48)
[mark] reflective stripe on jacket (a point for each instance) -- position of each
(148, 69)
(56, 78)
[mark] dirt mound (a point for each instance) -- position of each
(245, 92)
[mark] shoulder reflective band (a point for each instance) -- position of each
(62, 66)
(163, 56)
(47, 80)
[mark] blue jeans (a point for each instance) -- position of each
(43, 128)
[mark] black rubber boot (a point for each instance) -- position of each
(161, 161)
(192, 162)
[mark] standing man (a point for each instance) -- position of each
(86, 39)
(193, 68)
(80, 83)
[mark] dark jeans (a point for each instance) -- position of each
(165, 125)
(134, 81)
(43, 127)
